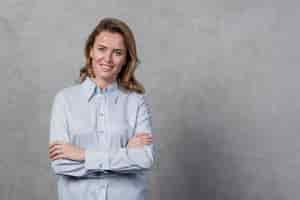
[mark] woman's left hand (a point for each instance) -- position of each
(61, 150)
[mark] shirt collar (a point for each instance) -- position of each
(90, 88)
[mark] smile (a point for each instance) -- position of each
(106, 67)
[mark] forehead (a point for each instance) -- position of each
(108, 39)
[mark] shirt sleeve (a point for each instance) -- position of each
(127, 160)
(59, 132)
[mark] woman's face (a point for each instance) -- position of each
(108, 56)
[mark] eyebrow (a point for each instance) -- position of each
(101, 45)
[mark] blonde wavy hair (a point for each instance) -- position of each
(126, 78)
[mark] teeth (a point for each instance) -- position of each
(105, 67)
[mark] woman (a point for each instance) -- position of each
(100, 130)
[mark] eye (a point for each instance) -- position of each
(101, 48)
(118, 53)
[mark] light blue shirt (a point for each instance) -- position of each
(101, 121)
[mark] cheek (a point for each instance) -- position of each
(96, 56)
(119, 67)
(94, 62)
(121, 61)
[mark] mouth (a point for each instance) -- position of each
(106, 67)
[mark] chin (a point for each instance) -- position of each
(106, 78)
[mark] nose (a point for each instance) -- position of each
(108, 57)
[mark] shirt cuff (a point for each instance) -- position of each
(96, 160)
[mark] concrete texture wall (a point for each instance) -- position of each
(221, 75)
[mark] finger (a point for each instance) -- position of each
(148, 137)
(141, 139)
(50, 151)
(57, 157)
(55, 143)
(141, 134)
(147, 142)
(56, 146)
(55, 153)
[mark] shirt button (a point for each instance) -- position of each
(100, 165)
(101, 114)
(100, 132)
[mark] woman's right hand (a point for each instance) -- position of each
(139, 140)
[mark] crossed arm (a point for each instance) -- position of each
(61, 150)
(68, 159)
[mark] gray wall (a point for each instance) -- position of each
(221, 75)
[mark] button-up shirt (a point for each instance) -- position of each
(101, 121)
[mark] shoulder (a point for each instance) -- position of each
(137, 97)
(138, 100)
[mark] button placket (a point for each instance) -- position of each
(100, 115)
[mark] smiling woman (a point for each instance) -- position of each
(112, 44)
(100, 131)
(108, 56)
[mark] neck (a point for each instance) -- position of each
(102, 83)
